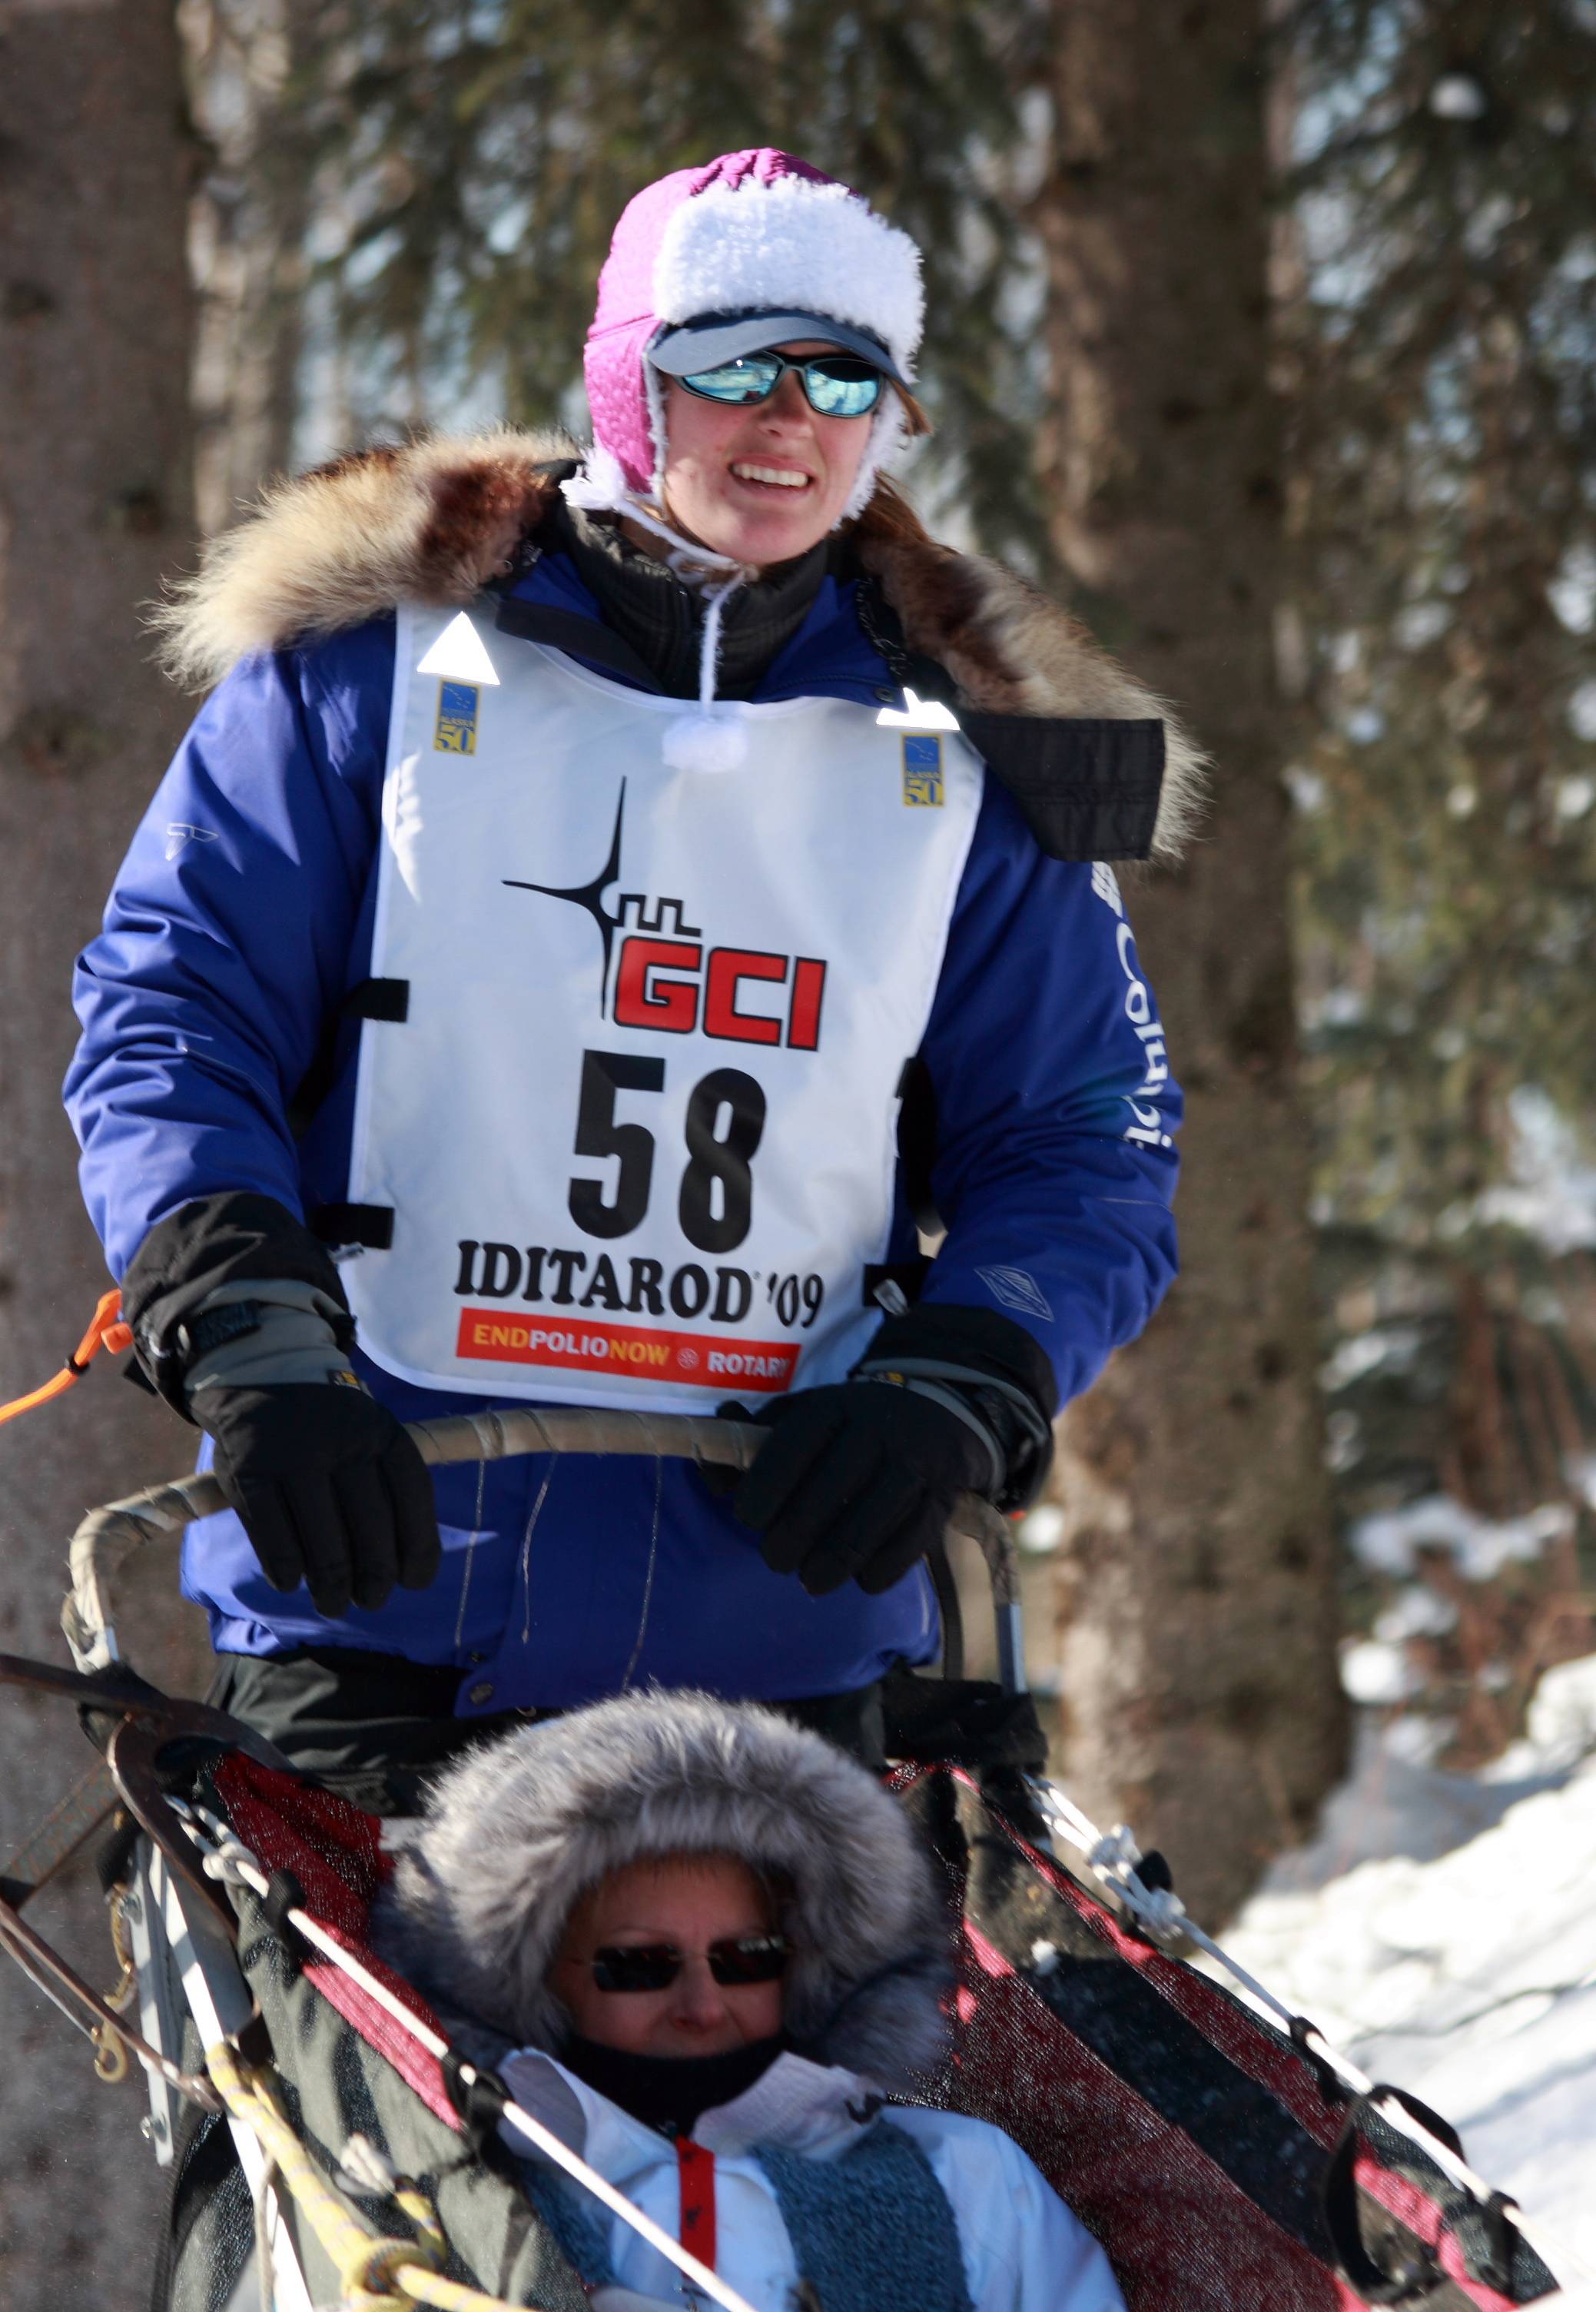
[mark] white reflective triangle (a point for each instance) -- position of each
(916, 714)
(459, 654)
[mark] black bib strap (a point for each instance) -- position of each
(370, 1226)
(378, 999)
(917, 1144)
(909, 1276)
(1086, 789)
(373, 999)
(583, 638)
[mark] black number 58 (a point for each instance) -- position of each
(723, 1126)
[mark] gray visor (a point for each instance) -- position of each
(718, 337)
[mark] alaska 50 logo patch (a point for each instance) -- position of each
(922, 768)
(454, 732)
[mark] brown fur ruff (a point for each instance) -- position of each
(435, 521)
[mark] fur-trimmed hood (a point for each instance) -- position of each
(522, 1828)
(437, 519)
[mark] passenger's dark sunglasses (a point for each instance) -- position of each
(835, 385)
(655, 1966)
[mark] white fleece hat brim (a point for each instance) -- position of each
(792, 247)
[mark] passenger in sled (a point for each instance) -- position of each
(606, 905)
(703, 1948)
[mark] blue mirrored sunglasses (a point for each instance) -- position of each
(835, 385)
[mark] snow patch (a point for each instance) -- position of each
(1417, 1612)
(1458, 96)
(1339, 1007)
(1560, 1728)
(1552, 1194)
(1378, 1676)
(1389, 1541)
(1041, 1530)
(1441, 1931)
(1396, 1345)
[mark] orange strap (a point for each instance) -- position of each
(697, 2167)
(106, 1332)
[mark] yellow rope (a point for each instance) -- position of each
(376, 2274)
(431, 2288)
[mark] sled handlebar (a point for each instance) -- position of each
(108, 1538)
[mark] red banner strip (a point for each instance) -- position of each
(712, 1361)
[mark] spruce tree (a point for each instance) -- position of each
(1438, 354)
(1445, 447)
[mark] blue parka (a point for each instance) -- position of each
(241, 918)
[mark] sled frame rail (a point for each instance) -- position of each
(109, 1538)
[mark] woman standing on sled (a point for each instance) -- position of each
(513, 988)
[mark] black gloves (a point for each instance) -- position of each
(858, 1479)
(212, 1245)
(239, 1320)
(857, 1483)
(331, 1490)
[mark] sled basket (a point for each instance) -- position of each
(1216, 2163)
(1221, 2161)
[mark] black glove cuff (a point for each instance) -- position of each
(977, 1339)
(228, 1238)
(1026, 1438)
(996, 1367)
(993, 1440)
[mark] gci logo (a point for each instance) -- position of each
(661, 977)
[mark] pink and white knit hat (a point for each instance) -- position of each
(753, 233)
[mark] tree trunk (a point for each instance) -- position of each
(1196, 1596)
(248, 247)
(95, 499)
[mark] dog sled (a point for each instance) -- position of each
(326, 2145)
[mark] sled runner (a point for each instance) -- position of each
(1224, 2155)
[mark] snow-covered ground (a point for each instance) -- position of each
(1442, 1931)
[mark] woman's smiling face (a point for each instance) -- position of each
(765, 482)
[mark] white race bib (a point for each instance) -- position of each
(638, 1128)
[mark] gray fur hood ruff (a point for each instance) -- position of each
(522, 1827)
